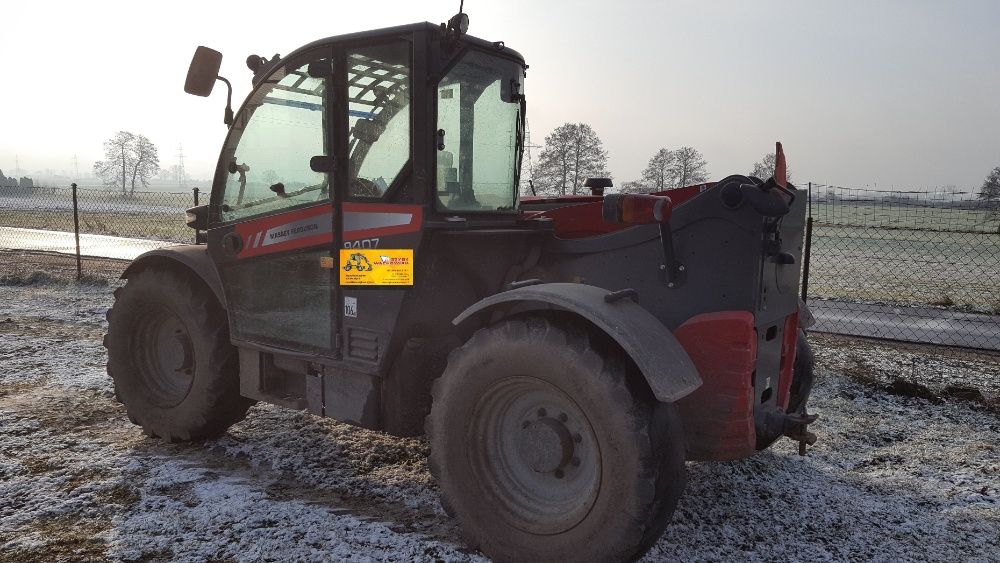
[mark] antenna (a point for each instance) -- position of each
(527, 153)
(181, 176)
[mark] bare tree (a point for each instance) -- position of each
(633, 187)
(689, 167)
(146, 163)
(659, 173)
(572, 152)
(118, 151)
(764, 168)
(990, 193)
(131, 160)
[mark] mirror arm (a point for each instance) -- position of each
(228, 119)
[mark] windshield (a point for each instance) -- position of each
(479, 139)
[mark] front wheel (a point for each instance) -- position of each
(170, 357)
(547, 446)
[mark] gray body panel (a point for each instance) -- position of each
(656, 352)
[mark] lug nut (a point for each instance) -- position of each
(525, 424)
(559, 474)
(541, 412)
(577, 438)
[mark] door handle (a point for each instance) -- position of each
(232, 244)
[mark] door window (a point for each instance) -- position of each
(480, 133)
(271, 146)
(378, 89)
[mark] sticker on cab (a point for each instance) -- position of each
(376, 266)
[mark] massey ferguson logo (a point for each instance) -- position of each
(273, 237)
(291, 231)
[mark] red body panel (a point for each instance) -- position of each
(313, 226)
(581, 216)
(301, 228)
(787, 359)
(719, 417)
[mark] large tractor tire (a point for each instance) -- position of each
(170, 357)
(802, 375)
(547, 446)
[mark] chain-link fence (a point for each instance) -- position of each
(911, 266)
(91, 231)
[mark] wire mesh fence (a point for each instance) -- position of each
(94, 230)
(911, 266)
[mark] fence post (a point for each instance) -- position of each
(195, 191)
(808, 249)
(76, 232)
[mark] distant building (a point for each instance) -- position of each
(12, 182)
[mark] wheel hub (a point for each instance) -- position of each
(163, 353)
(536, 453)
(545, 445)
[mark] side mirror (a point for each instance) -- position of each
(203, 72)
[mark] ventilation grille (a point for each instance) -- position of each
(362, 344)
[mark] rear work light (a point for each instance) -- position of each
(637, 209)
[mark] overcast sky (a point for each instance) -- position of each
(904, 94)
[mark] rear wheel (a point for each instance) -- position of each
(170, 357)
(801, 387)
(545, 446)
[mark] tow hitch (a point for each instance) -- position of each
(796, 428)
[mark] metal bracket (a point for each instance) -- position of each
(672, 272)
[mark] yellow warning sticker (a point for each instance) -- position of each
(376, 266)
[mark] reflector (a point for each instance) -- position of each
(780, 168)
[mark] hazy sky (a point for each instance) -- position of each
(904, 93)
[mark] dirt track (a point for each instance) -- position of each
(891, 478)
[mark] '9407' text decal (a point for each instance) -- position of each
(363, 243)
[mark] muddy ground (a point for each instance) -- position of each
(893, 477)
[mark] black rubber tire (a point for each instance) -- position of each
(803, 374)
(802, 383)
(201, 398)
(639, 443)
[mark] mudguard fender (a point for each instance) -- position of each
(192, 257)
(664, 364)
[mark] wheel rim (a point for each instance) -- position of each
(164, 356)
(535, 455)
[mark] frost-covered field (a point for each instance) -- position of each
(892, 478)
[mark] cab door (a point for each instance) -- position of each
(271, 230)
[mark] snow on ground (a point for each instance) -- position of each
(892, 478)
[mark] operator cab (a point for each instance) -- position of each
(419, 114)
(346, 158)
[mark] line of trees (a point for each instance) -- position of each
(573, 152)
(131, 160)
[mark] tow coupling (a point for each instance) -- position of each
(796, 428)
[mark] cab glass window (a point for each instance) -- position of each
(271, 145)
(378, 89)
(479, 121)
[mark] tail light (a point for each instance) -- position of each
(637, 209)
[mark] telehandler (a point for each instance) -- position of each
(564, 355)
